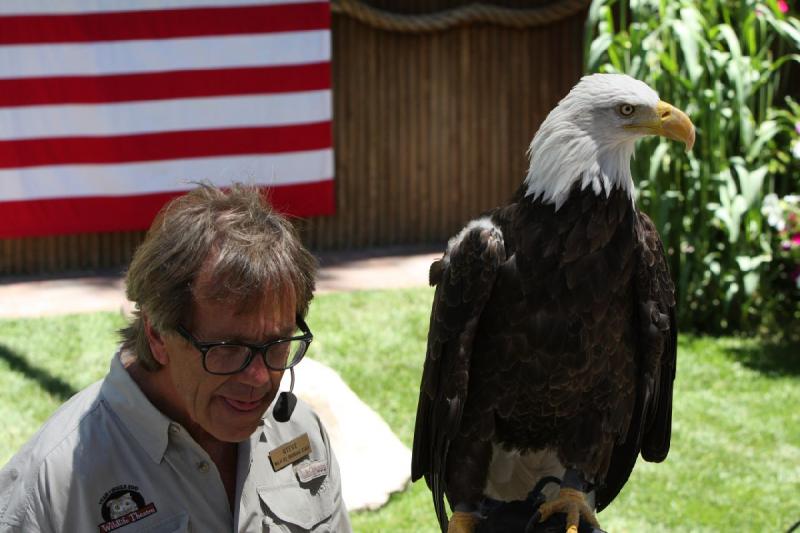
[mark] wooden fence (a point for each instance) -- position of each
(431, 125)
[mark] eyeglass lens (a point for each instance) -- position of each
(231, 358)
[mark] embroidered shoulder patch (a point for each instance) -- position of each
(123, 505)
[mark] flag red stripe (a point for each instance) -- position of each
(163, 24)
(61, 216)
(166, 145)
(164, 85)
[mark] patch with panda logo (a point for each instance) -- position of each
(123, 505)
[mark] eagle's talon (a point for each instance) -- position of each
(462, 522)
(531, 525)
(573, 503)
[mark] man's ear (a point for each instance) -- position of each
(156, 341)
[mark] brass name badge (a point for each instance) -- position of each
(286, 454)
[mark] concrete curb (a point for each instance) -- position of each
(347, 271)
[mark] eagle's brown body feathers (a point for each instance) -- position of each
(551, 329)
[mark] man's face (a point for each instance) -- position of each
(228, 408)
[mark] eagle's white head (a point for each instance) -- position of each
(590, 136)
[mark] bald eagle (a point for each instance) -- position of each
(552, 340)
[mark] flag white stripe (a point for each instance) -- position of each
(128, 57)
(72, 181)
(45, 7)
(130, 118)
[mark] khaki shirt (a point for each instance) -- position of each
(108, 460)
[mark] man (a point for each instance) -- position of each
(180, 435)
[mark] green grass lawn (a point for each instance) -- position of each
(735, 458)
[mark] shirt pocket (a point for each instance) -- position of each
(298, 508)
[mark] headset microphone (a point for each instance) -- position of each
(286, 403)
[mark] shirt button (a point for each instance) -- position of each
(174, 429)
(203, 466)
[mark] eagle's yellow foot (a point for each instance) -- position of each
(572, 503)
(461, 522)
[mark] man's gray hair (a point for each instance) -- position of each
(253, 248)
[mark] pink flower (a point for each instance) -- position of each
(797, 127)
(796, 239)
(783, 6)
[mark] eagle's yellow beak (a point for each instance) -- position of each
(670, 122)
(674, 124)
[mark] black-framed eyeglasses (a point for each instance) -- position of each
(224, 357)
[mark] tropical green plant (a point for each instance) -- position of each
(720, 61)
(782, 211)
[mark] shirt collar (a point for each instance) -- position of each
(265, 426)
(148, 425)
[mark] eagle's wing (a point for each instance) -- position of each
(656, 350)
(464, 279)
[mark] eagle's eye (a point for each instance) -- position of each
(626, 110)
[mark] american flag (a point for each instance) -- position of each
(110, 108)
